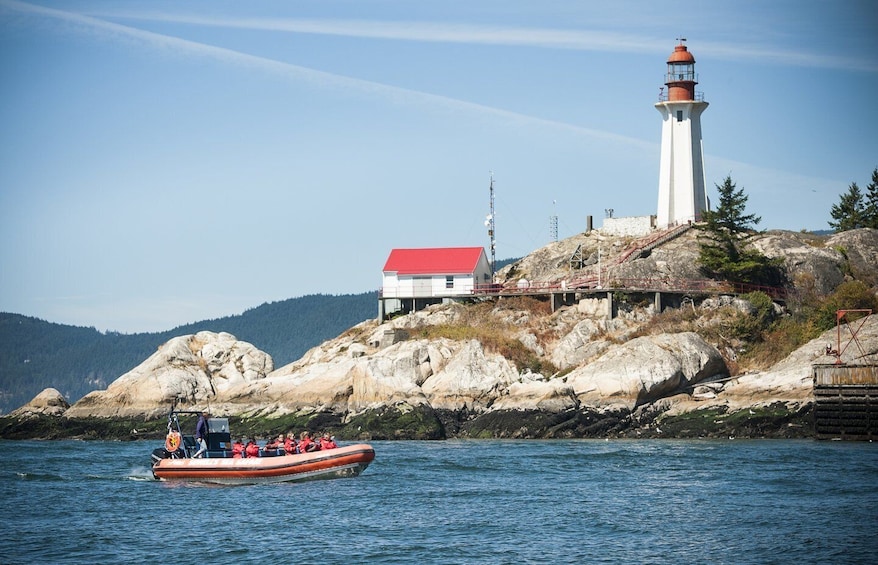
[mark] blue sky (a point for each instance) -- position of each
(167, 162)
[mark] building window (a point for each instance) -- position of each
(679, 115)
(449, 281)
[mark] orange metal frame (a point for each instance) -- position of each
(841, 315)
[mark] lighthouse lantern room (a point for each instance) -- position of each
(682, 197)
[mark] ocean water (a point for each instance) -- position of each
(578, 501)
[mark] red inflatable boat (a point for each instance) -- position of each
(175, 461)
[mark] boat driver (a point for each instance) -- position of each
(201, 434)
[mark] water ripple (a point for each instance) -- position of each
(657, 501)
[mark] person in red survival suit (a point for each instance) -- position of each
(326, 442)
(272, 444)
(290, 444)
(307, 444)
(252, 449)
(238, 449)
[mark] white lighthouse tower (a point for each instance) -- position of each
(682, 197)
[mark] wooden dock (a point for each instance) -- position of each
(846, 401)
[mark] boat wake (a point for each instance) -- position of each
(38, 476)
(141, 474)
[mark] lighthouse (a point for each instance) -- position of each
(682, 197)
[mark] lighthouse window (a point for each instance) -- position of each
(679, 115)
(449, 281)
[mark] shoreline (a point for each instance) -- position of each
(771, 422)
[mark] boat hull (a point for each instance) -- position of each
(348, 461)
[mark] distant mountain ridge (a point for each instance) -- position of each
(35, 354)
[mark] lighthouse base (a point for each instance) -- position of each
(634, 226)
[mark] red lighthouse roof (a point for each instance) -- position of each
(681, 55)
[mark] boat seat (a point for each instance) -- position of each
(190, 446)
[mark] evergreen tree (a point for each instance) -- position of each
(870, 204)
(725, 253)
(850, 211)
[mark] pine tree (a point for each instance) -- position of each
(850, 211)
(725, 253)
(870, 203)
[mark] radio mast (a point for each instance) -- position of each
(489, 223)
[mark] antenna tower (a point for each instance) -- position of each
(489, 223)
(553, 224)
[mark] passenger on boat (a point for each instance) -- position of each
(327, 442)
(271, 444)
(201, 434)
(238, 449)
(290, 444)
(252, 449)
(307, 444)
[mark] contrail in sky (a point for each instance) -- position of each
(420, 32)
(582, 40)
(320, 78)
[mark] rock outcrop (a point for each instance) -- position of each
(791, 380)
(646, 369)
(346, 376)
(191, 370)
(512, 357)
(49, 402)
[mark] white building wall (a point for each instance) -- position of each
(482, 274)
(408, 286)
(682, 195)
(634, 226)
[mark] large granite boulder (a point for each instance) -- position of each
(645, 369)
(582, 343)
(191, 370)
(49, 402)
(471, 380)
(532, 393)
(341, 376)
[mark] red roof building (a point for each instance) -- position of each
(419, 277)
(434, 261)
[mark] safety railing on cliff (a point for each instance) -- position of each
(685, 286)
(640, 246)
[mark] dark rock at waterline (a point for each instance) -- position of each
(423, 423)
(400, 421)
(532, 424)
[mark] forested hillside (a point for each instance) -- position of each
(35, 354)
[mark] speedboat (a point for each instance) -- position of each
(176, 461)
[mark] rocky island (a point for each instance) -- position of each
(515, 367)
